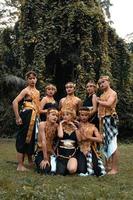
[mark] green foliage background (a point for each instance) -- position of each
(62, 41)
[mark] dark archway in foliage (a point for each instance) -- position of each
(61, 73)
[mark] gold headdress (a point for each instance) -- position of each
(51, 86)
(52, 110)
(103, 78)
(85, 110)
(70, 83)
(68, 110)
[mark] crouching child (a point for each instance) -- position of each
(44, 158)
(88, 136)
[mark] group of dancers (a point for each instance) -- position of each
(72, 136)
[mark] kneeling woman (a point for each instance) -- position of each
(67, 148)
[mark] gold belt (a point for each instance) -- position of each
(66, 157)
(68, 143)
(66, 147)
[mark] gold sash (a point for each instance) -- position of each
(30, 105)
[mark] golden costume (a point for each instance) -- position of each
(50, 134)
(25, 141)
(108, 124)
(70, 102)
(94, 162)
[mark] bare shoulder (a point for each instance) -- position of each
(37, 90)
(114, 93)
(62, 99)
(22, 94)
(94, 98)
(78, 99)
(42, 124)
(90, 125)
(44, 99)
(25, 91)
(94, 95)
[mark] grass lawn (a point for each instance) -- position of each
(30, 185)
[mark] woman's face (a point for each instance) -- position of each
(53, 117)
(90, 88)
(50, 91)
(31, 80)
(70, 89)
(67, 116)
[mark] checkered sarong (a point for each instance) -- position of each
(110, 130)
(95, 165)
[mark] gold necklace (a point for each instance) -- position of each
(68, 129)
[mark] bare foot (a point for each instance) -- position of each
(22, 168)
(112, 172)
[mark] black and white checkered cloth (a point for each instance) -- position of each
(99, 169)
(110, 130)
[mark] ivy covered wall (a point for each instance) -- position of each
(69, 40)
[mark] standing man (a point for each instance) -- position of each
(70, 101)
(27, 120)
(107, 116)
